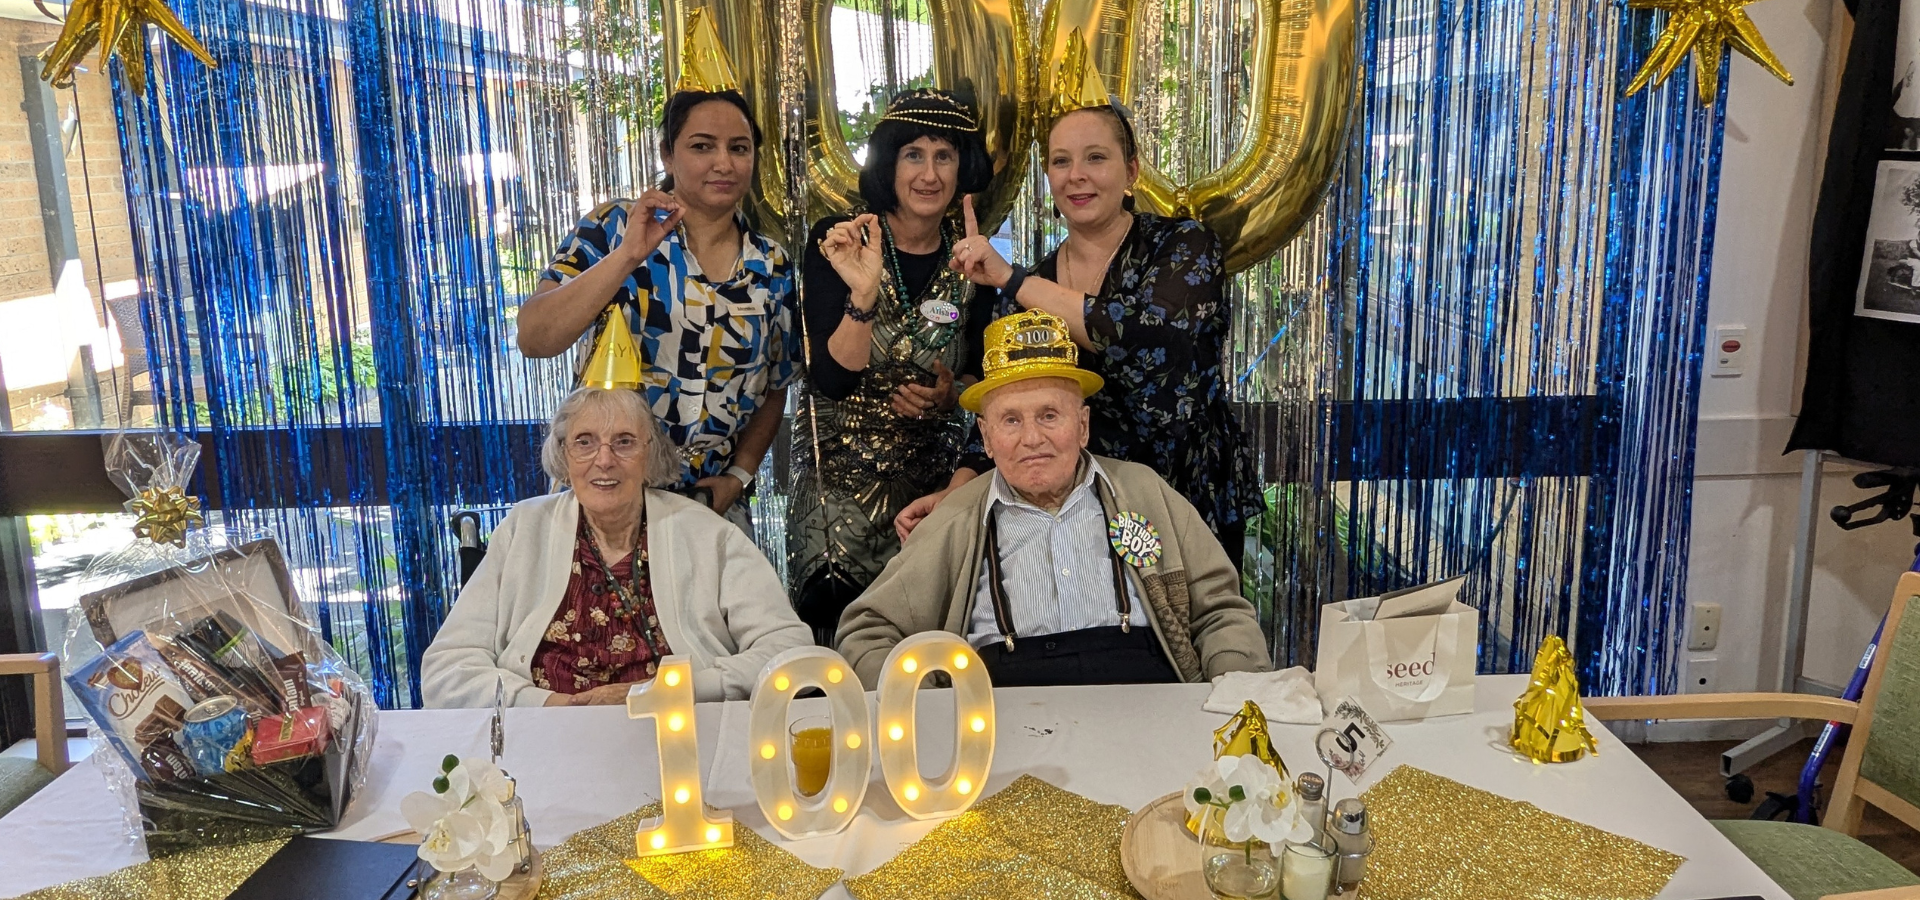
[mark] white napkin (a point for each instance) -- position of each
(1284, 696)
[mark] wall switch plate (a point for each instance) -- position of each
(1703, 675)
(1728, 351)
(1703, 628)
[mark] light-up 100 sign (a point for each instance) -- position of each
(668, 700)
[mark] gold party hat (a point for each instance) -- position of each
(1029, 344)
(704, 63)
(1549, 724)
(615, 363)
(1244, 734)
(1076, 84)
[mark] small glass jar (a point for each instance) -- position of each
(1306, 872)
(1235, 870)
(466, 884)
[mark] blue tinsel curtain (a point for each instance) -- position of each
(1481, 358)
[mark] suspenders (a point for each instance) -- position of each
(997, 586)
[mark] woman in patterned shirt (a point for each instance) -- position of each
(583, 592)
(1142, 297)
(717, 351)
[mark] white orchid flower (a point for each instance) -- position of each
(463, 824)
(1265, 809)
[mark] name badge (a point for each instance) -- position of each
(1134, 539)
(749, 308)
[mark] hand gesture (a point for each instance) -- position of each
(917, 512)
(604, 695)
(916, 401)
(854, 250)
(645, 230)
(974, 255)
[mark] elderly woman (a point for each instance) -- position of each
(583, 592)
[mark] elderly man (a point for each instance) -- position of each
(1064, 567)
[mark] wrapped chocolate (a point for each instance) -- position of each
(232, 720)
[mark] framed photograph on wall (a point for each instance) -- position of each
(1890, 273)
(230, 582)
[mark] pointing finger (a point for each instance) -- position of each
(973, 223)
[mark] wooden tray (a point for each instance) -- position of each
(1161, 856)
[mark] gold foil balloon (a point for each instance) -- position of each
(1304, 64)
(118, 27)
(1703, 27)
(1549, 725)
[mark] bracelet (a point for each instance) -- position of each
(859, 315)
(1011, 290)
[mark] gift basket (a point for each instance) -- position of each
(230, 719)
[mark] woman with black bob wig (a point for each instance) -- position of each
(696, 284)
(894, 335)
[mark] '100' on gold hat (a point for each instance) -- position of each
(1030, 344)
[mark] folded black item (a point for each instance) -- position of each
(309, 868)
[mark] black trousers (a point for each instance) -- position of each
(1090, 656)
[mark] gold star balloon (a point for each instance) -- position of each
(117, 27)
(1704, 27)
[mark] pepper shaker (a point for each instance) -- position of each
(1352, 842)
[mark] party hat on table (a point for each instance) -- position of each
(1549, 725)
(1245, 734)
(1076, 83)
(704, 63)
(615, 363)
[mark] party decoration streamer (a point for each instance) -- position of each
(1704, 27)
(1480, 355)
(119, 28)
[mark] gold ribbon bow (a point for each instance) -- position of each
(165, 515)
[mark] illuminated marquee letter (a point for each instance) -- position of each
(966, 774)
(833, 808)
(668, 701)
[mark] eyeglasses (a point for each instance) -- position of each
(584, 448)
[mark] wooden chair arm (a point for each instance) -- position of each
(1899, 893)
(1724, 706)
(49, 705)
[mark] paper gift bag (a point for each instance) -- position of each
(1405, 655)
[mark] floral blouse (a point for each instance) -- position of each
(595, 637)
(1159, 329)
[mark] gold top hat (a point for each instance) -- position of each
(1076, 84)
(615, 363)
(1031, 344)
(704, 63)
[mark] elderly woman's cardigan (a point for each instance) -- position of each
(720, 604)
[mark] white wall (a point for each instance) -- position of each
(1746, 493)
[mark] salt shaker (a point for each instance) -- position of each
(1312, 790)
(1351, 843)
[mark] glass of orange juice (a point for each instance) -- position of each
(812, 738)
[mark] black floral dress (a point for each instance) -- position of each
(1159, 328)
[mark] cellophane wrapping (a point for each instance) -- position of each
(220, 713)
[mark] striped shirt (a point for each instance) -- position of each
(1057, 566)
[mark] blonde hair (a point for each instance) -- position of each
(662, 467)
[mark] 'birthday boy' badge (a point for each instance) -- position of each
(1134, 539)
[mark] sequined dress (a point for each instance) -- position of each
(871, 460)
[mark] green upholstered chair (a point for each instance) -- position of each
(1881, 767)
(20, 777)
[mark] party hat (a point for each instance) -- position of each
(615, 363)
(1549, 725)
(704, 63)
(1245, 734)
(1076, 84)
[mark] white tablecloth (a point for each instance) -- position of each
(1122, 744)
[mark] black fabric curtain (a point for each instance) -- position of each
(1862, 395)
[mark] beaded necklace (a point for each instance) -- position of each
(941, 333)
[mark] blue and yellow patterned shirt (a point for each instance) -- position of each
(709, 350)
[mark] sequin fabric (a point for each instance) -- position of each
(598, 864)
(1029, 840)
(1438, 839)
(207, 874)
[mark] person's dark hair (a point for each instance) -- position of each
(673, 120)
(1122, 127)
(910, 117)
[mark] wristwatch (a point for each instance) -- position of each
(745, 477)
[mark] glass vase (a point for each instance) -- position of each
(1235, 870)
(466, 884)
